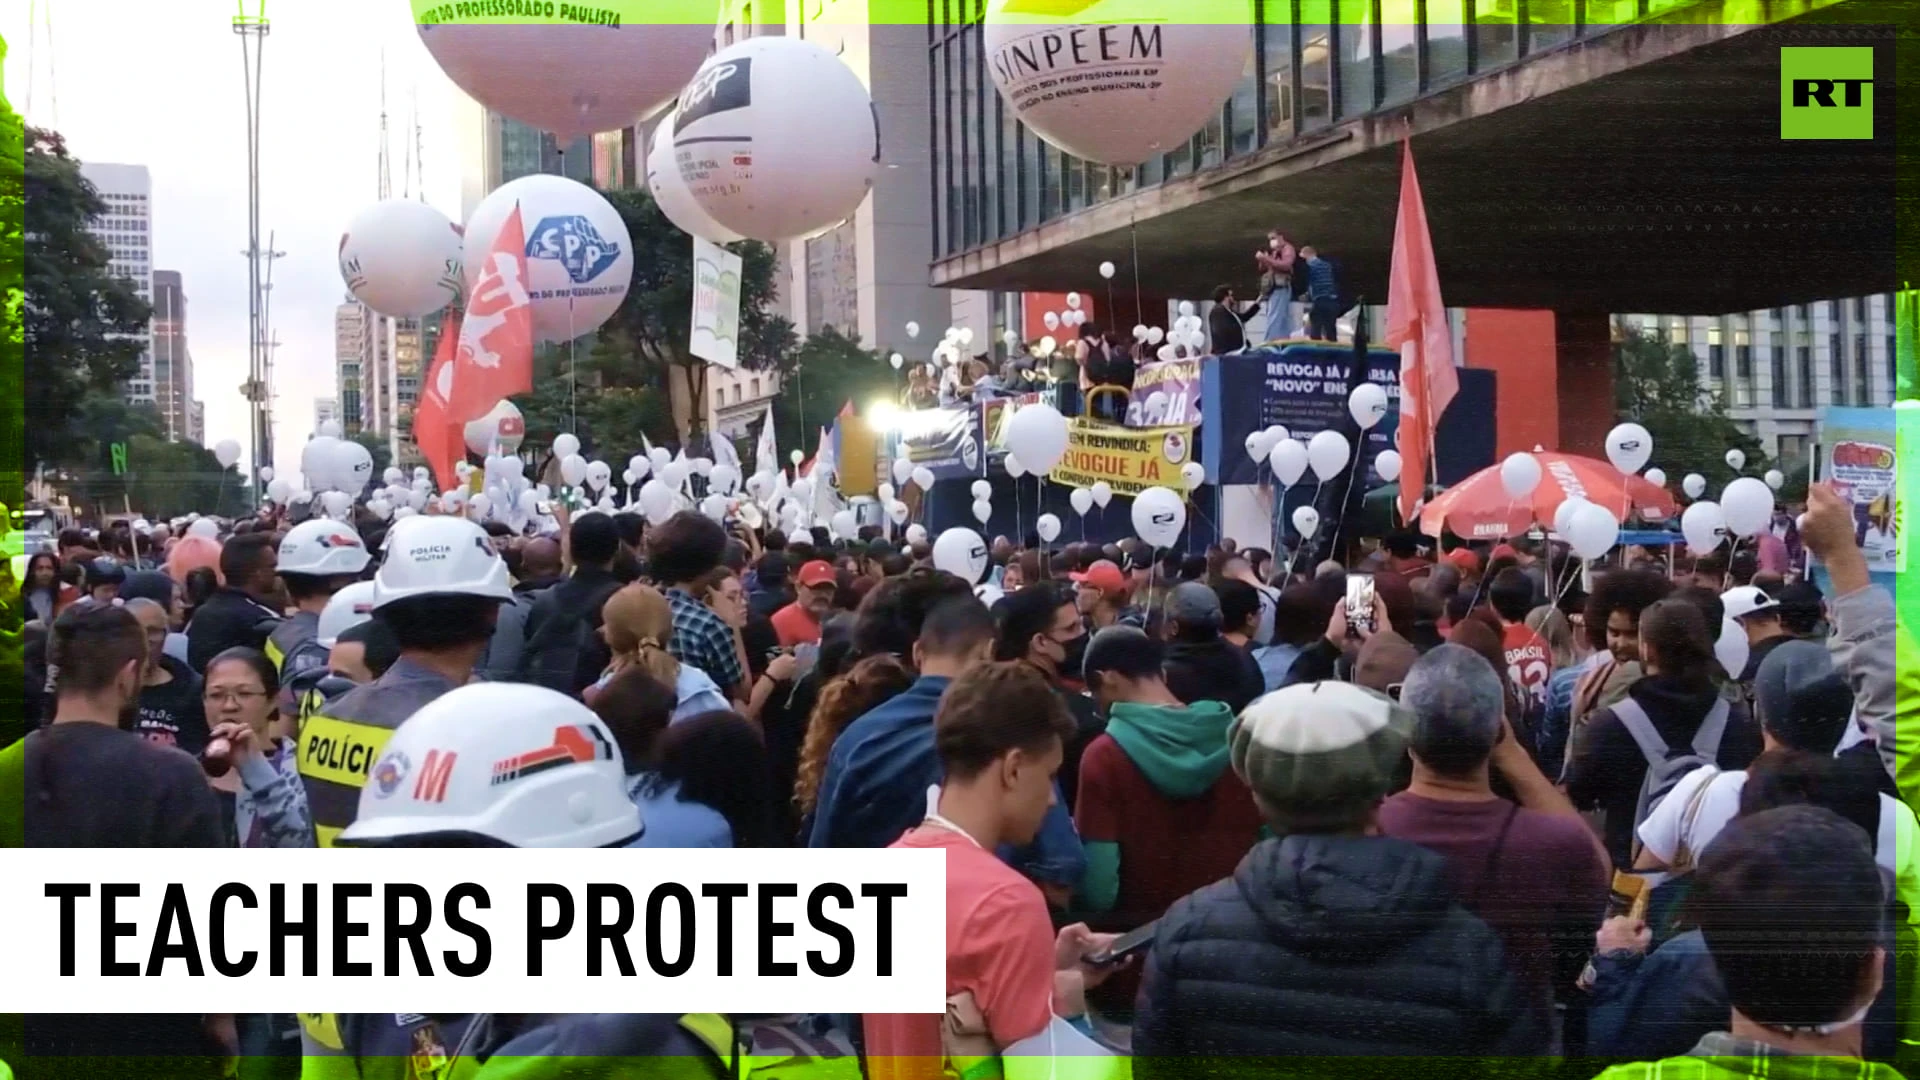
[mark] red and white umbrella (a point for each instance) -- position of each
(1479, 508)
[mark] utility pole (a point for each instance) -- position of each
(252, 31)
(385, 329)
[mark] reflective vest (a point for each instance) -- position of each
(293, 631)
(411, 1046)
(340, 744)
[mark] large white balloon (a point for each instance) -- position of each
(226, 452)
(960, 552)
(1519, 475)
(401, 257)
(1047, 527)
(777, 138)
(329, 428)
(656, 501)
(317, 460)
(565, 444)
(1081, 499)
(1368, 405)
(1158, 516)
(1038, 433)
(1387, 464)
(1694, 485)
(1732, 648)
(1592, 530)
(573, 469)
(1327, 454)
(1628, 447)
(1563, 514)
(579, 256)
(1289, 461)
(1306, 521)
(352, 466)
(500, 431)
(1748, 505)
(1701, 524)
(1122, 82)
(670, 191)
(560, 72)
(1102, 493)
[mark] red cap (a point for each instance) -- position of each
(817, 572)
(1102, 575)
(1505, 551)
(1466, 560)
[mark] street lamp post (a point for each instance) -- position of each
(252, 31)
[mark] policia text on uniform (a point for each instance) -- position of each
(667, 928)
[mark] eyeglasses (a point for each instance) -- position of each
(238, 697)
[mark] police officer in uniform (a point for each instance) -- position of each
(439, 783)
(317, 559)
(438, 591)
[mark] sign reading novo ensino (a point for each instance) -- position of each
(1129, 460)
(645, 930)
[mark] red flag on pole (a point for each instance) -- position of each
(1417, 326)
(495, 354)
(440, 440)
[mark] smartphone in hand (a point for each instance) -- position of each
(1133, 941)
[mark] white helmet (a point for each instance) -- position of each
(517, 764)
(345, 610)
(429, 556)
(322, 548)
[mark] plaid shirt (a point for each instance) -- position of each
(1720, 1056)
(701, 639)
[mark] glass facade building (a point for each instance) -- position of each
(1315, 63)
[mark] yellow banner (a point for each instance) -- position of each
(1130, 460)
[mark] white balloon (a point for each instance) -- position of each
(1289, 461)
(1387, 464)
(1327, 454)
(1015, 467)
(670, 190)
(896, 360)
(1193, 474)
(560, 73)
(1139, 332)
(481, 505)
(913, 330)
(266, 473)
(1073, 301)
(1155, 335)
(960, 552)
(1731, 648)
(573, 469)
(844, 525)
(966, 335)
(353, 466)
(1102, 493)
(380, 508)
(565, 444)
(1047, 527)
(1736, 460)
(1051, 320)
(1701, 524)
(902, 470)
(1694, 485)
(1306, 521)
(528, 503)
(501, 430)
(660, 456)
(1563, 514)
(656, 501)
(1775, 479)
(796, 457)
(922, 477)
(981, 489)
(1166, 97)
(1656, 477)
(317, 460)
(1045, 346)
(1748, 506)
(1167, 352)
(599, 474)
(1106, 270)
(1158, 516)
(628, 478)
(579, 256)
(226, 452)
(897, 511)
(777, 138)
(1628, 447)
(453, 497)
(884, 493)
(279, 489)
(1519, 475)
(723, 478)
(462, 469)
(329, 428)
(916, 533)
(982, 510)
(401, 257)
(1258, 446)
(1038, 433)
(392, 476)
(1592, 530)
(1368, 405)
(205, 527)
(401, 513)
(1081, 499)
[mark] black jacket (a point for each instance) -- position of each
(1325, 945)
(229, 618)
(564, 650)
(1226, 327)
(1214, 670)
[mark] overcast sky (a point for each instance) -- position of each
(160, 84)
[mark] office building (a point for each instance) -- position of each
(325, 411)
(351, 349)
(197, 422)
(172, 359)
(364, 393)
(494, 150)
(126, 228)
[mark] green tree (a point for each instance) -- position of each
(160, 479)
(79, 323)
(13, 212)
(828, 370)
(1657, 385)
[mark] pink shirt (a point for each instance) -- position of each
(999, 948)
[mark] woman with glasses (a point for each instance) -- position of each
(270, 809)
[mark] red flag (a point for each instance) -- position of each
(1417, 326)
(495, 356)
(440, 440)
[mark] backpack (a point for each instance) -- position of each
(566, 653)
(1664, 766)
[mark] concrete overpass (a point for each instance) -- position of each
(1637, 170)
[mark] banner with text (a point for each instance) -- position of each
(1857, 446)
(1130, 461)
(946, 441)
(716, 304)
(1165, 392)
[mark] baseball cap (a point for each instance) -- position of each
(1132, 558)
(817, 572)
(1316, 752)
(1193, 604)
(1102, 575)
(1506, 551)
(1746, 600)
(1466, 560)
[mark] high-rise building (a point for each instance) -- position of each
(351, 348)
(325, 411)
(126, 228)
(197, 422)
(172, 359)
(494, 150)
(360, 348)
